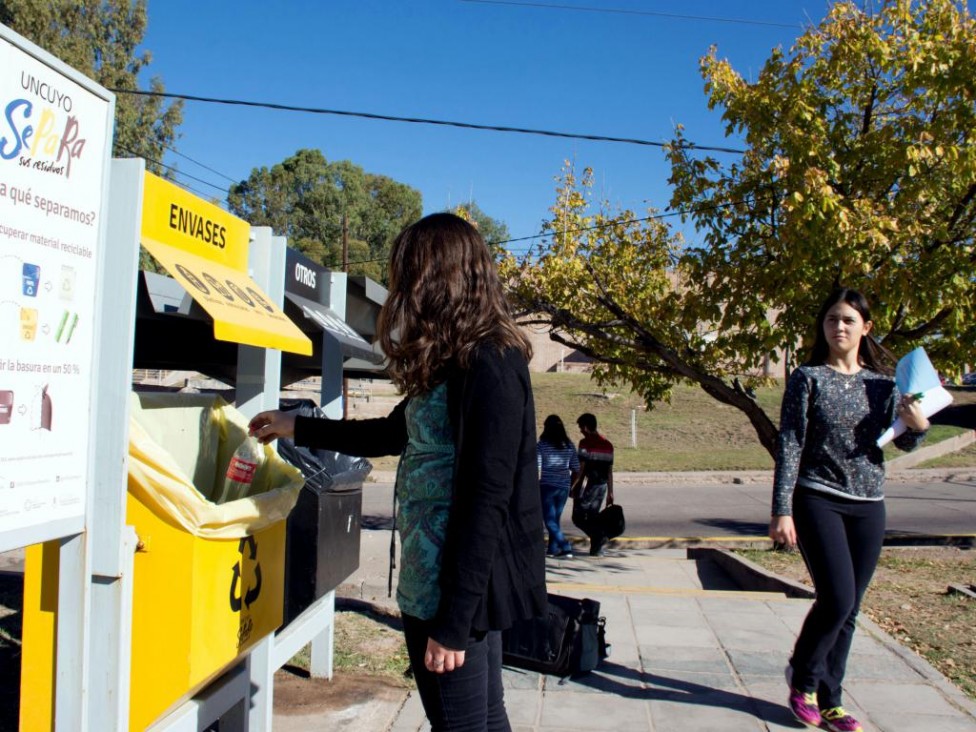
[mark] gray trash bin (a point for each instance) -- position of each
(323, 534)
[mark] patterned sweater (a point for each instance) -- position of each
(827, 435)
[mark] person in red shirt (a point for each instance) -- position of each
(594, 484)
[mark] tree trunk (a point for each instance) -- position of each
(765, 429)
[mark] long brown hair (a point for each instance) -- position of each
(445, 299)
(870, 353)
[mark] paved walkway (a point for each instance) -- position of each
(690, 653)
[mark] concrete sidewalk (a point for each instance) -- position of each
(691, 652)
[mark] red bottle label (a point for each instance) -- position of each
(241, 471)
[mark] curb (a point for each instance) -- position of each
(749, 575)
(715, 543)
(928, 452)
(919, 665)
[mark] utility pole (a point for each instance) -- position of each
(345, 268)
(345, 242)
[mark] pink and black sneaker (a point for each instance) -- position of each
(804, 707)
(837, 720)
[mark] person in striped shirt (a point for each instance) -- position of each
(558, 468)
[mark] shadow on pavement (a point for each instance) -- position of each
(736, 528)
(665, 688)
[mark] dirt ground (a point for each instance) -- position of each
(296, 694)
(369, 663)
(910, 600)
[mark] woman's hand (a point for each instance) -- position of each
(268, 426)
(439, 659)
(910, 410)
(782, 531)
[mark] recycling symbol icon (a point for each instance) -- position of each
(240, 597)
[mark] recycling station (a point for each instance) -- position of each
(148, 604)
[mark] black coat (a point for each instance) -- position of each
(493, 564)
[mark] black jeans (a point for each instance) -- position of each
(468, 698)
(840, 540)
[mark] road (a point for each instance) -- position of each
(687, 506)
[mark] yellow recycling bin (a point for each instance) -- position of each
(209, 579)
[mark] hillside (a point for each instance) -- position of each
(692, 432)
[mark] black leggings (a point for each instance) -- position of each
(469, 698)
(840, 540)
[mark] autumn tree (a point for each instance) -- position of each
(859, 168)
(493, 231)
(99, 38)
(309, 199)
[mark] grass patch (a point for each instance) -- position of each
(691, 432)
(965, 458)
(908, 598)
(367, 644)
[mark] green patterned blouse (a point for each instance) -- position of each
(423, 489)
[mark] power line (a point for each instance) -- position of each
(197, 162)
(176, 172)
(621, 11)
(422, 120)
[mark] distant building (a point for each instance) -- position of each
(548, 356)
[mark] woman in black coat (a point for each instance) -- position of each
(468, 514)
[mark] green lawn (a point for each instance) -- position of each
(692, 432)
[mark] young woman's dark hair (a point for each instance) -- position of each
(554, 432)
(871, 354)
(445, 299)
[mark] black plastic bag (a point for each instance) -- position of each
(324, 470)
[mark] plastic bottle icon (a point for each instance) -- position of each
(240, 471)
(41, 409)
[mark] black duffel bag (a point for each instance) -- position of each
(612, 521)
(570, 640)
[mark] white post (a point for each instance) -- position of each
(332, 359)
(74, 605)
(633, 428)
(258, 388)
(259, 369)
(112, 542)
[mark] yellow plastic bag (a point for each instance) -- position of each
(179, 448)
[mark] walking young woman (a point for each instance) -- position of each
(469, 516)
(828, 492)
(558, 468)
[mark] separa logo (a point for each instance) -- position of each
(46, 138)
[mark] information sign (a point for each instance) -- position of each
(53, 138)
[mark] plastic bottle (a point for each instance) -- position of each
(240, 471)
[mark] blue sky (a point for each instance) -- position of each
(610, 73)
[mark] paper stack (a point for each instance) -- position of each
(915, 374)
